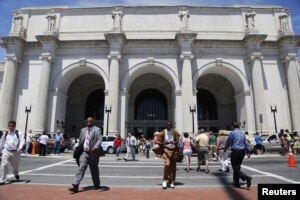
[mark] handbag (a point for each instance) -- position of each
(158, 149)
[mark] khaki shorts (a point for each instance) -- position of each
(203, 153)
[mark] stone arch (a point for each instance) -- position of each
(67, 75)
(144, 68)
(227, 70)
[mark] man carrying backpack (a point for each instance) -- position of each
(11, 144)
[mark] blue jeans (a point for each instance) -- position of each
(118, 149)
(57, 148)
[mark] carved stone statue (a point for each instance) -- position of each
(117, 15)
(250, 22)
(51, 17)
(18, 22)
(284, 25)
(184, 16)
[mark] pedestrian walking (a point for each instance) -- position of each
(28, 141)
(117, 145)
(147, 148)
(169, 138)
(58, 142)
(202, 143)
(131, 143)
(239, 146)
(258, 144)
(11, 144)
(90, 144)
(43, 140)
(222, 154)
(212, 146)
(187, 150)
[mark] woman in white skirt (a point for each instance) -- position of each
(222, 156)
(187, 150)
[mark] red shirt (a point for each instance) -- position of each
(117, 141)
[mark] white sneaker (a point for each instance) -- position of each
(164, 184)
(172, 185)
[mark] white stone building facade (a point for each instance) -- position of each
(194, 66)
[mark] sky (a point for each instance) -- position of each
(7, 7)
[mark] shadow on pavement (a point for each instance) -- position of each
(231, 190)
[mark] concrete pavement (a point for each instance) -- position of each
(21, 191)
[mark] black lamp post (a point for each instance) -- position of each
(274, 110)
(27, 111)
(107, 110)
(193, 110)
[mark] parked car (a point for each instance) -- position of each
(270, 143)
(108, 144)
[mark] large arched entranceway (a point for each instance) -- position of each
(216, 106)
(85, 98)
(150, 103)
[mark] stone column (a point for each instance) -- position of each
(255, 58)
(185, 41)
(115, 40)
(288, 54)
(14, 48)
(47, 57)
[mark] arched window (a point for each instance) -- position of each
(207, 106)
(95, 105)
(150, 104)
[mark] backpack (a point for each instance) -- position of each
(17, 133)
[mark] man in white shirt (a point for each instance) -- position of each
(130, 144)
(11, 144)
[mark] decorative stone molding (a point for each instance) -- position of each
(115, 37)
(114, 56)
(117, 15)
(253, 46)
(150, 61)
(47, 39)
(82, 61)
(186, 56)
(288, 47)
(14, 46)
(219, 43)
(46, 57)
(12, 59)
(219, 62)
(186, 37)
(152, 43)
(82, 44)
(178, 92)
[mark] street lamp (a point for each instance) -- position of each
(274, 110)
(193, 110)
(107, 110)
(27, 111)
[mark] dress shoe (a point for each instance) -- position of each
(74, 188)
(237, 185)
(198, 169)
(249, 182)
(97, 187)
(17, 177)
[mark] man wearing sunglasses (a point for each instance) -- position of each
(11, 144)
(89, 143)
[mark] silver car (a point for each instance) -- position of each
(269, 143)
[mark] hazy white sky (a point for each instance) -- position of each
(7, 6)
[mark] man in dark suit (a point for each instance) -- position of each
(89, 140)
